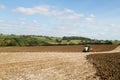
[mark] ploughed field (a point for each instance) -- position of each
(107, 65)
(68, 48)
(59, 63)
(45, 66)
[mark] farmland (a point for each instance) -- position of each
(78, 48)
(107, 64)
(59, 39)
(56, 63)
(45, 66)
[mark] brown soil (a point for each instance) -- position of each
(45, 66)
(107, 65)
(79, 48)
(58, 63)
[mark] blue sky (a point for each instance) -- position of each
(97, 19)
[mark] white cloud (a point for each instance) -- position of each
(43, 9)
(27, 11)
(115, 26)
(71, 16)
(69, 10)
(1, 21)
(92, 15)
(65, 29)
(49, 11)
(2, 6)
(90, 20)
(34, 21)
(112, 25)
(19, 23)
(21, 26)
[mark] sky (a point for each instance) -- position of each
(96, 19)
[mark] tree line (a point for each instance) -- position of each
(33, 40)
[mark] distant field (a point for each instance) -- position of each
(78, 48)
(108, 65)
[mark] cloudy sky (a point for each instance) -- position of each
(97, 19)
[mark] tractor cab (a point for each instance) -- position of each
(87, 48)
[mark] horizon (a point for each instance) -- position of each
(97, 19)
